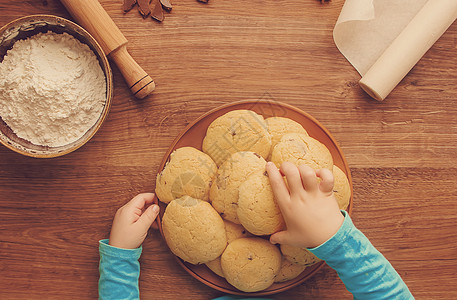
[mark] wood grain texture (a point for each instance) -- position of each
(401, 151)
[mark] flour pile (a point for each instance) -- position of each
(52, 89)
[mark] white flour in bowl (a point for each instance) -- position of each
(52, 89)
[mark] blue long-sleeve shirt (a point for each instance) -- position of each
(119, 272)
(365, 272)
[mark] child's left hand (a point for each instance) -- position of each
(132, 222)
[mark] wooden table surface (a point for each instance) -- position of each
(401, 151)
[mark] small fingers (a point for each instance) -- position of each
(140, 200)
(148, 217)
(293, 177)
(308, 178)
(327, 180)
(280, 237)
(277, 183)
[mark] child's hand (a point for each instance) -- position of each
(310, 210)
(132, 221)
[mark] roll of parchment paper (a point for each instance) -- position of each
(384, 39)
(407, 49)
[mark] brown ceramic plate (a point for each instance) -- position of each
(193, 136)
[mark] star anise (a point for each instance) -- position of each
(153, 8)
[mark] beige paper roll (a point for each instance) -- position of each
(407, 49)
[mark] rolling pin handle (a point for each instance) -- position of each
(139, 82)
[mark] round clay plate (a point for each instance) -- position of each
(193, 136)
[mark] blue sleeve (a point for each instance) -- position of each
(119, 272)
(365, 272)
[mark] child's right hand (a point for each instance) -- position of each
(308, 206)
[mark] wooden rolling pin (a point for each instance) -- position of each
(91, 15)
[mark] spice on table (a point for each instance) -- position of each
(154, 8)
(157, 11)
(147, 7)
(143, 7)
(128, 5)
(166, 4)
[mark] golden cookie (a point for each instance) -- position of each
(231, 174)
(257, 209)
(301, 149)
(279, 126)
(189, 172)
(238, 130)
(298, 255)
(341, 188)
(193, 230)
(215, 266)
(233, 232)
(251, 264)
(288, 270)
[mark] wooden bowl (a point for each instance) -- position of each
(193, 136)
(25, 27)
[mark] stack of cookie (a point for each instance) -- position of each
(221, 207)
